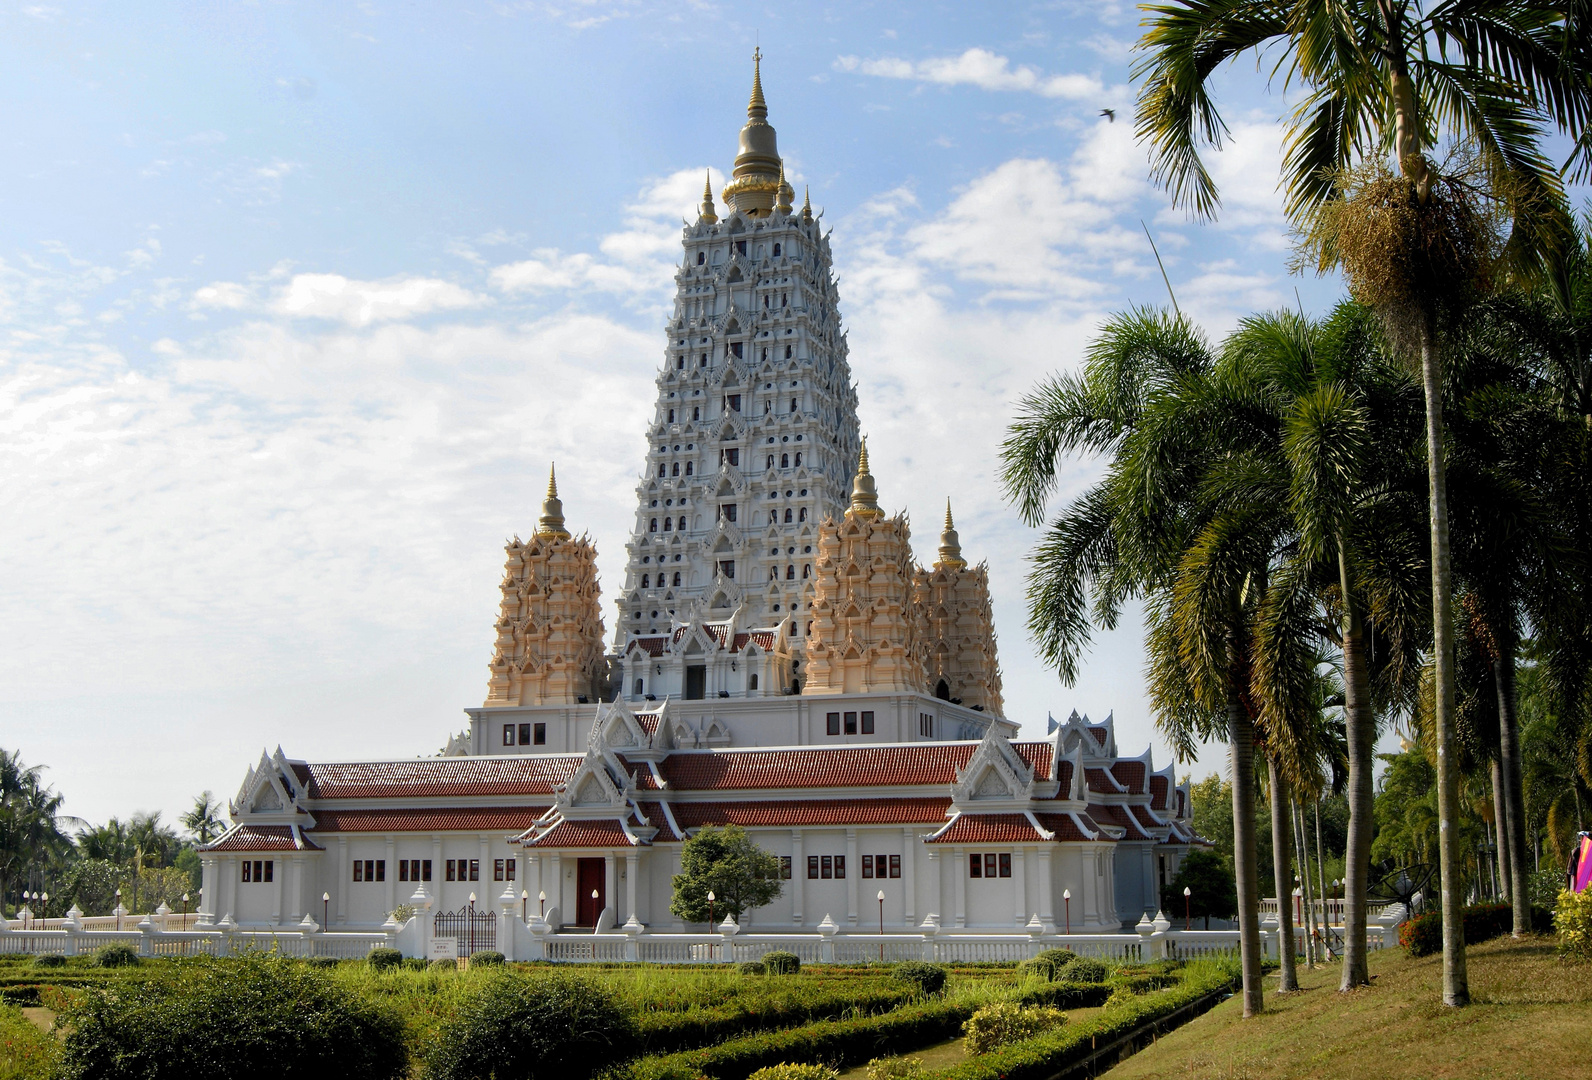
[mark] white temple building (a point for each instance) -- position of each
(779, 661)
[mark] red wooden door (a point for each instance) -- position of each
(590, 877)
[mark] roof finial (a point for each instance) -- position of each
(785, 192)
(757, 108)
(709, 215)
(552, 520)
(950, 545)
(807, 203)
(864, 495)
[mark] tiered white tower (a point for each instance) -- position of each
(755, 436)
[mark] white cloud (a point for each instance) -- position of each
(981, 68)
(360, 303)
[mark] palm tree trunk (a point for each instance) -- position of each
(1513, 822)
(1282, 880)
(1241, 747)
(1321, 869)
(1360, 727)
(1456, 983)
(1306, 901)
(1500, 850)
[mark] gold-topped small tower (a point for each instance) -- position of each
(864, 495)
(786, 192)
(758, 175)
(807, 204)
(950, 545)
(552, 520)
(709, 213)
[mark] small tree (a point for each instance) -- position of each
(204, 820)
(1210, 886)
(726, 862)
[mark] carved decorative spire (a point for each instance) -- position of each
(786, 194)
(552, 520)
(807, 204)
(755, 182)
(757, 108)
(709, 214)
(864, 496)
(950, 545)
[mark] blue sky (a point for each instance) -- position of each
(297, 301)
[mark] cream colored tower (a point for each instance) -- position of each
(550, 629)
(958, 628)
(865, 626)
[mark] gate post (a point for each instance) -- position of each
(727, 930)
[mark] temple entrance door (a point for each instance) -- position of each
(590, 876)
(696, 682)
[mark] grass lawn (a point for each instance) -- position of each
(1531, 1018)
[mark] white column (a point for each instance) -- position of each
(798, 876)
(276, 892)
(936, 881)
(909, 878)
(959, 879)
(486, 872)
(853, 872)
(295, 892)
(207, 887)
(392, 876)
(1047, 907)
(533, 879)
(342, 880)
(555, 895)
(1020, 887)
(632, 863)
(438, 878)
(610, 883)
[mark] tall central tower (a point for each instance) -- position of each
(754, 438)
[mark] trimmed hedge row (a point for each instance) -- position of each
(849, 1042)
(669, 1032)
(1049, 1053)
(1423, 935)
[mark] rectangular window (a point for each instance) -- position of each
(508, 734)
(381, 869)
(812, 867)
(450, 870)
(989, 865)
(734, 456)
(510, 865)
(475, 869)
(403, 869)
(851, 723)
(895, 866)
(826, 867)
(867, 723)
(268, 865)
(1006, 865)
(740, 245)
(727, 511)
(246, 866)
(867, 866)
(975, 866)
(525, 734)
(926, 725)
(540, 738)
(425, 870)
(727, 566)
(840, 866)
(834, 723)
(735, 399)
(359, 870)
(497, 869)
(784, 867)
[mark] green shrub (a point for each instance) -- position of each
(489, 958)
(785, 1004)
(26, 1053)
(927, 978)
(542, 1027)
(1066, 995)
(443, 965)
(1083, 969)
(897, 1068)
(323, 961)
(416, 963)
(113, 956)
(751, 967)
(233, 1019)
(1047, 963)
(1007, 1022)
(1423, 935)
(384, 959)
(1572, 919)
(780, 962)
(49, 960)
(787, 1071)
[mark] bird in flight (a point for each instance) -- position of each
(1110, 115)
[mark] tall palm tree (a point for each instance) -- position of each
(31, 822)
(1386, 81)
(204, 819)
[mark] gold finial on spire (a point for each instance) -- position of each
(785, 191)
(950, 545)
(552, 520)
(709, 215)
(807, 203)
(864, 495)
(757, 108)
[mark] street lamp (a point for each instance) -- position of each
(525, 903)
(711, 898)
(1066, 899)
(469, 949)
(26, 896)
(118, 909)
(541, 899)
(185, 911)
(1186, 908)
(326, 901)
(881, 924)
(44, 910)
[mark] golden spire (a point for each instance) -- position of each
(709, 215)
(807, 203)
(552, 521)
(950, 545)
(864, 496)
(785, 192)
(757, 108)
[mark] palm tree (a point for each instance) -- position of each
(30, 822)
(1386, 81)
(204, 819)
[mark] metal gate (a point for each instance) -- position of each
(474, 928)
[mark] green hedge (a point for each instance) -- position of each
(1067, 995)
(667, 1032)
(1423, 935)
(849, 1042)
(1047, 1054)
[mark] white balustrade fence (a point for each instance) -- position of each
(148, 937)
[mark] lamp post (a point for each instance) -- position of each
(596, 915)
(1186, 906)
(525, 904)
(881, 924)
(326, 902)
(1066, 900)
(26, 906)
(185, 911)
(44, 910)
(541, 900)
(469, 949)
(711, 898)
(118, 909)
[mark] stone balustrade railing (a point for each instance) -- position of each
(159, 935)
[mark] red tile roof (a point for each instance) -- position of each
(1120, 817)
(606, 832)
(262, 838)
(515, 819)
(795, 812)
(989, 829)
(1158, 786)
(839, 766)
(1130, 774)
(648, 722)
(660, 821)
(652, 646)
(1099, 733)
(1063, 826)
(1102, 781)
(440, 777)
